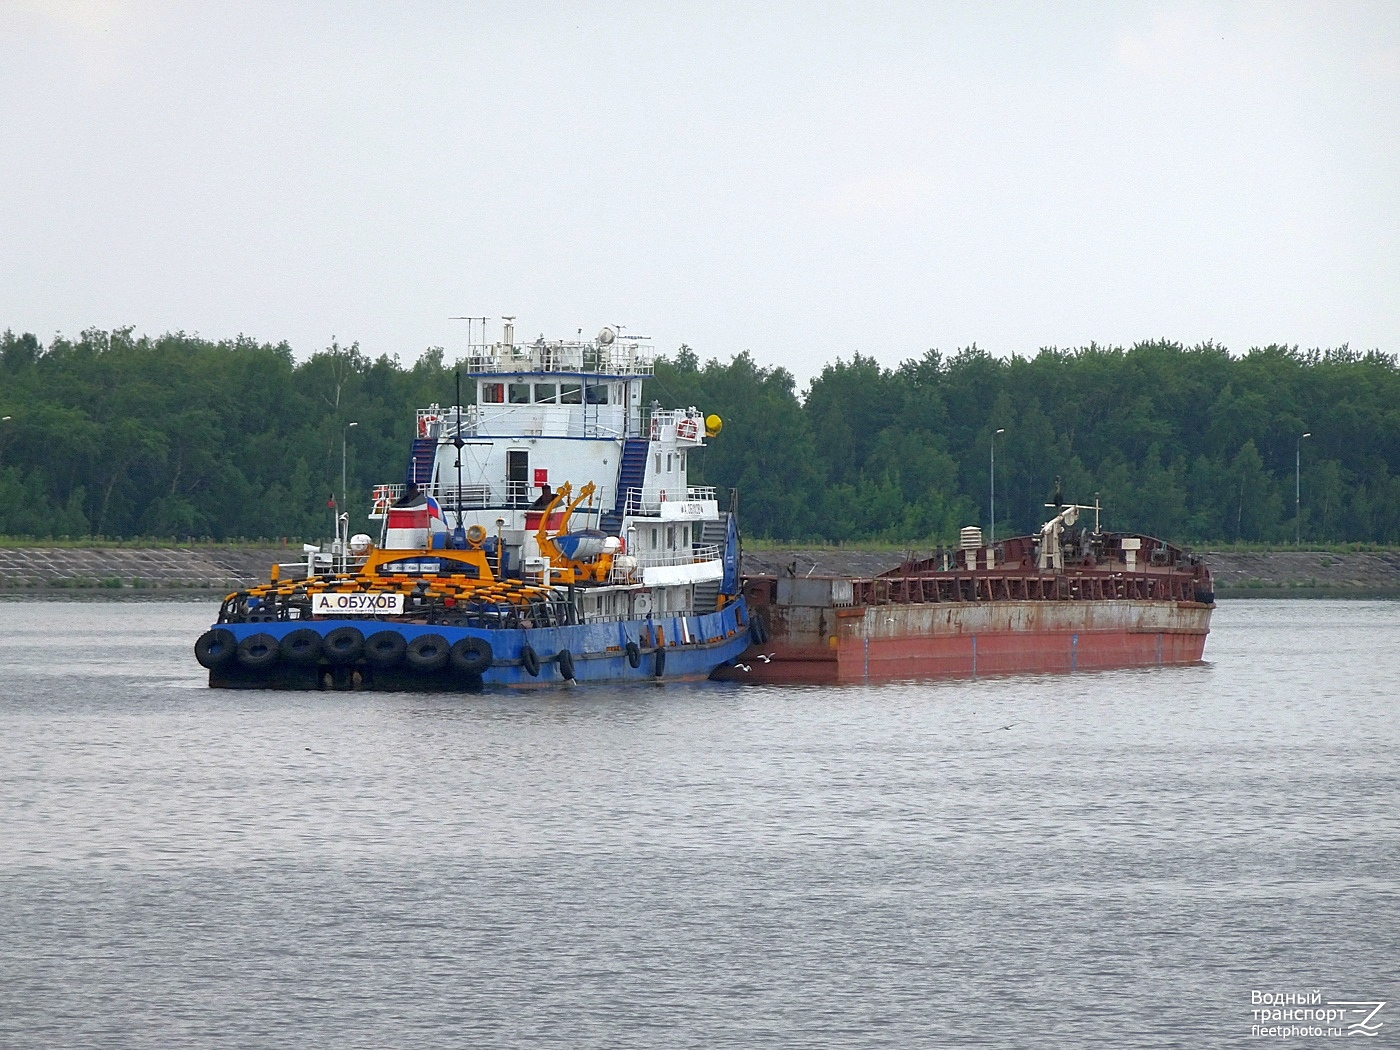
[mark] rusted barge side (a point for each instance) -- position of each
(1066, 600)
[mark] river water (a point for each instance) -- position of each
(1111, 859)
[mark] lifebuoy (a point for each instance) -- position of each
(384, 649)
(530, 660)
(566, 665)
(471, 655)
(302, 646)
(257, 651)
(686, 430)
(427, 652)
(660, 663)
(343, 645)
(634, 655)
(215, 648)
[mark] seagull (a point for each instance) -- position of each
(766, 657)
(743, 667)
(999, 728)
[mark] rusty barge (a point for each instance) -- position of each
(1064, 600)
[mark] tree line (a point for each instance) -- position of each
(117, 435)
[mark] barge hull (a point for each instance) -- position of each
(883, 642)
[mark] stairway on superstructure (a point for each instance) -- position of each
(712, 534)
(630, 476)
(420, 463)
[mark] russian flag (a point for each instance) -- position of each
(437, 524)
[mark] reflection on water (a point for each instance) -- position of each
(1106, 859)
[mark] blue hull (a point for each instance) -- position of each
(691, 648)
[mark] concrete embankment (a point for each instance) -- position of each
(137, 568)
(1276, 573)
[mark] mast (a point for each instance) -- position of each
(459, 534)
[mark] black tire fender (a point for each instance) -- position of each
(471, 655)
(257, 651)
(385, 649)
(566, 665)
(660, 668)
(302, 646)
(343, 645)
(427, 652)
(634, 655)
(530, 660)
(215, 648)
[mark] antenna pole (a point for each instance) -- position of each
(459, 534)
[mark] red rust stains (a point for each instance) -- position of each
(891, 641)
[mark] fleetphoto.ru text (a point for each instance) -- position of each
(1306, 1015)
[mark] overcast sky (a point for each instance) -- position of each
(800, 180)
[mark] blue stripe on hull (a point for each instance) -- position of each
(598, 650)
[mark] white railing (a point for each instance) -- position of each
(686, 425)
(651, 559)
(477, 497)
(641, 502)
(627, 569)
(384, 497)
(625, 357)
(449, 497)
(536, 420)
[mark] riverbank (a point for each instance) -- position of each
(1292, 574)
(213, 568)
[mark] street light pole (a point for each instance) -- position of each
(3, 433)
(994, 484)
(1298, 490)
(344, 494)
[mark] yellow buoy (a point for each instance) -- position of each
(713, 425)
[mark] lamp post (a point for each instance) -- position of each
(994, 483)
(1298, 490)
(344, 494)
(3, 433)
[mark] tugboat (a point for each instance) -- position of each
(491, 568)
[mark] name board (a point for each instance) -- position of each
(689, 510)
(357, 603)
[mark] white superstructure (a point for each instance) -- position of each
(551, 412)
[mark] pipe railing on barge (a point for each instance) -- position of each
(985, 587)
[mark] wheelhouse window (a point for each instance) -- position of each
(570, 394)
(545, 393)
(519, 393)
(493, 393)
(596, 395)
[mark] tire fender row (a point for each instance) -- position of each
(426, 653)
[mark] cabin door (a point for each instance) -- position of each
(518, 477)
